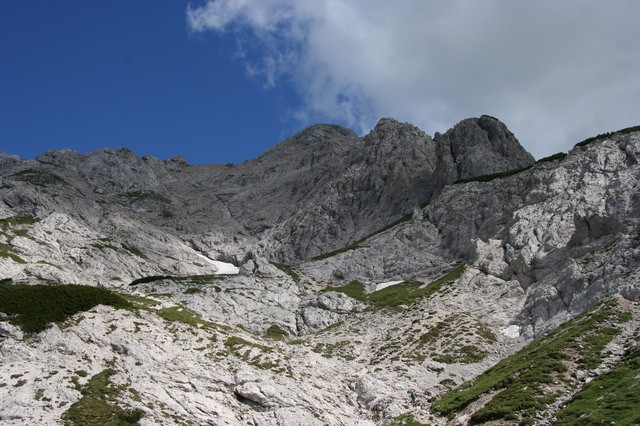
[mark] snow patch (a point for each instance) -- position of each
(222, 268)
(512, 331)
(387, 284)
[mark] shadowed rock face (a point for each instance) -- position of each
(478, 146)
(349, 187)
(314, 192)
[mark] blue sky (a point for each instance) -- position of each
(93, 74)
(222, 81)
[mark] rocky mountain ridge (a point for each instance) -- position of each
(395, 261)
(317, 191)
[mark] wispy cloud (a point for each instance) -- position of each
(554, 71)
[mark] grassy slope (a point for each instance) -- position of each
(611, 398)
(524, 381)
(395, 296)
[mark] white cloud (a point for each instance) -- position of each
(554, 71)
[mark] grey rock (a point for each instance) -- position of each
(338, 302)
(478, 146)
(540, 247)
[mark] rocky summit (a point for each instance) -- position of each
(390, 279)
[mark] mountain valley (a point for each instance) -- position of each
(324, 282)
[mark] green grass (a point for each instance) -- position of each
(44, 262)
(396, 296)
(235, 342)
(183, 315)
(245, 350)
(8, 252)
(613, 398)
(342, 349)
(276, 332)
(137, 302)
(405, 420)
(458, 338)
(410, 292)
(102, 246)
(287, 270)
(608, 135)
(470, 354)
(34, 307)
(520, 378)
(177, 313)
(98, 405)
(355, 290)
(331, 327)
(407, 217)
(134, 251)
(14, 221)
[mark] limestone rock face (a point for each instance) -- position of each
(316, 191)
(432, 281)
(478, 146)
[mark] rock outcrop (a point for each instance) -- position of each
(390, 261)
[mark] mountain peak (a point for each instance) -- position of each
(482, 145)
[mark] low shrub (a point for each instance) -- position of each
(608, 135)
(34, 307)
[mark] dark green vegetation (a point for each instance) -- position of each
(7, 251)
(492, 176)
(17, 221)
(410, 292)
(613, 398)
(287, 270)
(559, 156)
(105, 243)
(396, 296)
(523, 381)
(625, 131)
(554, 157)
(276, 332)
(34, 307)
(356, 244)
(488, 178)
(341, 349)
(37, 177)
(98, 404)
(194, 279)
(134, 251)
